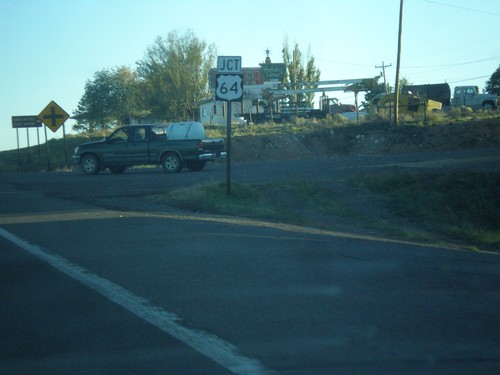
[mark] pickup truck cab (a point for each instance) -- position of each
(469, 96)
(172, 146)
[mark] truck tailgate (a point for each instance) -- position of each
(213, 145)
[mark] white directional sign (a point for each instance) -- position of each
(229, 87)
(26, 122)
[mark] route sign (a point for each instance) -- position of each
(26, 122)
(229, 87)
(229, 64)
(53, 116)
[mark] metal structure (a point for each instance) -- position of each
(333, 85)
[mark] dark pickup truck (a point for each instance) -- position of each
(173, 146)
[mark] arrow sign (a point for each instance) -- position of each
(229, 87)
(53, 116)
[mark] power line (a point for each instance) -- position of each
(343, 62)
(464, 8)
(470, 79)
(417, 66)
(455, 64)
(420, 82)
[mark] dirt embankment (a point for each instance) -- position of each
(363, 140)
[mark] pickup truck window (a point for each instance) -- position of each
(139, 135)
(158, 133)
(121, 135)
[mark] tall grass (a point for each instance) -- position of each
(295, 125)
(463, 205)
(285, 201)
(53, 155)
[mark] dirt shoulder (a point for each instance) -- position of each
(368, 214)
(364, 140)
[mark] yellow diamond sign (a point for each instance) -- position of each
(53, 116)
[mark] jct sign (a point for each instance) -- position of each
(229, 83)
(228, 64)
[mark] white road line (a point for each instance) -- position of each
(224, 353)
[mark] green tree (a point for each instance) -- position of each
(374, 88)
(403, 82)
(174, 72)
(493, 84)
(313, 74)
(297, 74)
(110, 98)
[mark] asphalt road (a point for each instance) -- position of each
(90, 289)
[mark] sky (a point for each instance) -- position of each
(51, 48)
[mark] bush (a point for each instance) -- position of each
(458, 112)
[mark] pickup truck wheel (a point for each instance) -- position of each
(89, 165)
(196, 165)
(117, 169)
(171, 163)
(488, 106)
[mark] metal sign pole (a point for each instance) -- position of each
(28, 141)
(38, 139)
(65, 148)
(228, 160)
(47, 148)
(18, 152)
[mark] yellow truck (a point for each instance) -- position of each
(408, 103)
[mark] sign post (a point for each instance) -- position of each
(53, 117)
(229, 88)
(31, 121)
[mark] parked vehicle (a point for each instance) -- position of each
(408, 103)
(172, 146)
(469, 96)
(417, 98)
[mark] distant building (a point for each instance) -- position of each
(214, 112)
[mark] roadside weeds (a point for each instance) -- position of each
(431, 208)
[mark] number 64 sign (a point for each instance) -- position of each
(229, 87)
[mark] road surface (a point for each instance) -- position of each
(90, 289)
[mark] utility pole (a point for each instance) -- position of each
(383, 66)
(396, 99)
